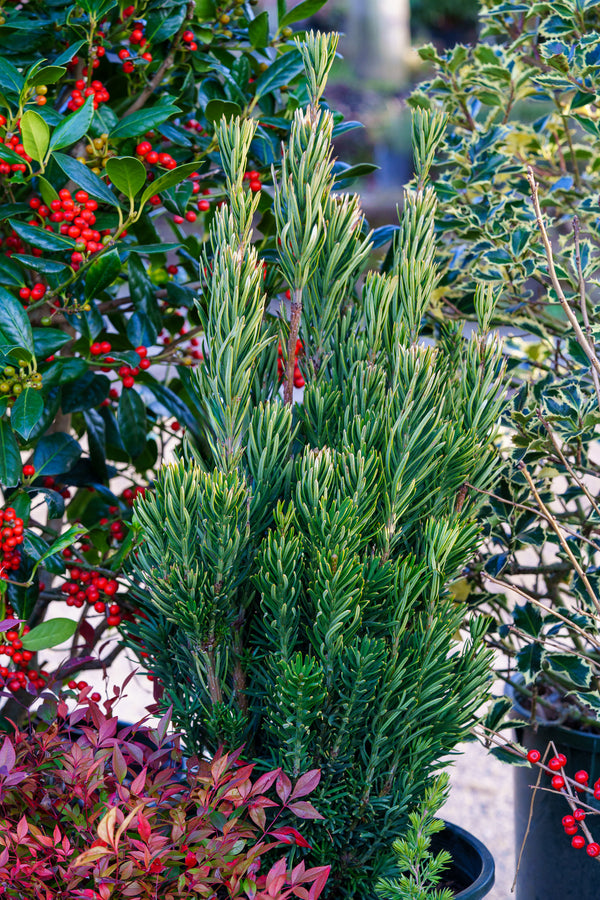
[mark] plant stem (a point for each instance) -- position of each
(296, 312)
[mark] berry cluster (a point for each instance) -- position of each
(82, 91)
(128, 374)
(298, 378)
(189, 39)
(13, 381)
(581, 779)
(14, 143)
(12, 646)
(76, 217)
(253, 179)
(153, 157)
(11, 536)
(88, 586)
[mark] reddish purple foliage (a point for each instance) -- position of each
(91, 812)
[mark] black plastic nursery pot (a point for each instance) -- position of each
(551, 869)
(471, 874)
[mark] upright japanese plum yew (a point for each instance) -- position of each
(109, 176)
(293, 567)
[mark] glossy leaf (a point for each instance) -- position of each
(102, 273)
(132, 422)
(85, 179)
(26, 412)
(10, 458)
(39, 264)
(216, 109)
(39, 237)
(143, 120)
(169, 179)
(51, 633)
(301, 11)
(283, 70)
(35, 135)
(74, 127)
(55, 454)
(15, 328)
(127, 174)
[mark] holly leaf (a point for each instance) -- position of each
(127, 174)
(10, 458)
(26, 412)
(35, 135)
(73, 128)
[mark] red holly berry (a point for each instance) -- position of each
(582, 777)
(593, 849)
(203, 205)
(28, 470)
(568, 821)
(143, 148)
(95, 697)
(578, 841)
(558, 782)
(555, 764)
(579, 815)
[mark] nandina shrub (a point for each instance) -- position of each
(109, 174)
(91, 810)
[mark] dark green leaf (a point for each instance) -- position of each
(10, 458)
(96, 433)
(102, 273)
(302, 11)
(47, 75)
(9, 155)
(68, 54)
(74, 127)
(528, 618)
(38, 264)
(283, 70)
(85, 392)
(10, 77)
(15, 328)
(39, 237)
(49, 634)
(85, 179)
(127, 174)
(132, 422)
(48, 192)
(63, 370)
(144, 120)
(258, 30)
(352, 172)
(55, 454)
(216, 109)
(205, 9)
(54, 501)
(169, 179)
(26, 412)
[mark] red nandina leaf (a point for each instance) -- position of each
(118, 763)
(144, 827)
(7, 757)
(276, 877)
(258, 816)
(139, 782)
(304, 810)
(283, 787)
(22, 828)
(306, 784)
(289, 835)
(319, 882)
(265, 782)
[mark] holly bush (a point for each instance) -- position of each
(524, 95)
(109, 177)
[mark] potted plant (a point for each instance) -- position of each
(93, 811)
(292, 567)
(524, 97)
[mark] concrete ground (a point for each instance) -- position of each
(481, 802)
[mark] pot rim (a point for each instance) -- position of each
(486, 878)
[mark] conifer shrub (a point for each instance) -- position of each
(294, 567)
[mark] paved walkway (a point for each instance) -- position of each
(481, 801)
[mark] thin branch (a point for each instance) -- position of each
(556, 528)
(581, 338)
(527, 596)
(566, 463)
(583, 305)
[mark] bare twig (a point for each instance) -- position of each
(581, 338)
(557, 530)
(583, 305)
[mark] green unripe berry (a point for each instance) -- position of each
(17, 388)
(287, 32)
(9, 371)
(45, 320)
(4, 387)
